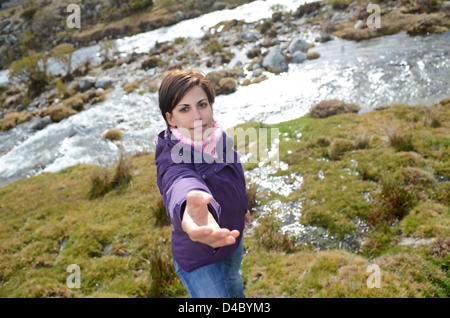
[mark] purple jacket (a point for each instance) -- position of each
(224, 180)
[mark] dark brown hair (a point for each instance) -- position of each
(175, 85)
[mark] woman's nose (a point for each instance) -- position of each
(197, 115)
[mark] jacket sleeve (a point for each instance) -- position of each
(176, 181)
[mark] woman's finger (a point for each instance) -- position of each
(199, 233)
(222, 237)
(229, 240)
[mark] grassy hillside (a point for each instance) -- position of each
(121, 239)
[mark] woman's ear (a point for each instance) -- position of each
(169, 119)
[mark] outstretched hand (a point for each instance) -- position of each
(200, 224)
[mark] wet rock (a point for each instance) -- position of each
(18, 107)
(6, 22)
(256, 66)
(219, 5)
(298, 57)
(359, 25)
(181, 15)
(249, 37)
(39, 123)
(298, 44)
(275, 61)
(103, 82)
(86, 82)
(324, 38)
(257, 72)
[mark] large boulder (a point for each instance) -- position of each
(275, 61)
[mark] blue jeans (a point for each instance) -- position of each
(219, 280)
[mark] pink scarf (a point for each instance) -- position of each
(207, 145)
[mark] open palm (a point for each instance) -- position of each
(200, 224)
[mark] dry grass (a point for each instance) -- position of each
(332, 107)
(114, 134)
(48, 222)
(102, 182)
(12, 119)
(397, 138)
(431, 116)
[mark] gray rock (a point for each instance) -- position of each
(249, 37)
(415, 241)
(359, 24)
(219, 5)
(40, 123)
(276, 59)
(256, 66)
(6, 22)
(181, 15)
(103, 82)
(298, 57)
(86, 82)
(298, 44)
(257, 72)
(11, 39)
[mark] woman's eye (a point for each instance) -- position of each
(184, 109)
(203, 104)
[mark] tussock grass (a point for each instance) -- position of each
(396, 138)
(102, 180)
(121, 238)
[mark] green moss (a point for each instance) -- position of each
(427, 220)
(49, 222)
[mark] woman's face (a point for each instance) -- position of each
(193, 115)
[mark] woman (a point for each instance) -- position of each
(204, 193)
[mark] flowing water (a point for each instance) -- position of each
(389, 69)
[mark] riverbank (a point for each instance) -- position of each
(24, 23)
(233, 54)
(388, 168)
